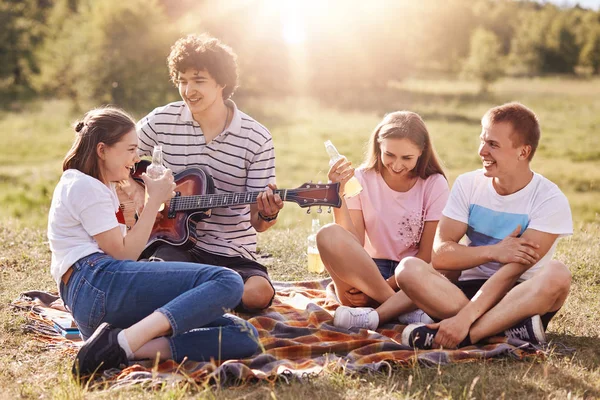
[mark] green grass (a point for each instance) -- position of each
(38, 136)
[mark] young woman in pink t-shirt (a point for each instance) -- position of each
(395, 216)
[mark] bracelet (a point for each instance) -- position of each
(268, 219)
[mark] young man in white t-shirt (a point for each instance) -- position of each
(512, 218)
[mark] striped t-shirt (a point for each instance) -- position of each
(240, 159)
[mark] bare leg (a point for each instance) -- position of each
(546, 291)
(153, 326)
(258, 292)
(428, 289)
(349, 265)
(152, 348)
(398, 304)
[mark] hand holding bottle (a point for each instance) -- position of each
(161, 189)
(341, 171)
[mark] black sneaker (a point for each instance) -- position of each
(530, 330)
(418, 336)
(101, 351)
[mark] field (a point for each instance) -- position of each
(37, 135)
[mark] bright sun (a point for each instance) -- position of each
(293, 31)
(293, 21)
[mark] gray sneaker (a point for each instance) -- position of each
(414, 317)
(356, 317)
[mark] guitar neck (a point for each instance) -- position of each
(206, 201)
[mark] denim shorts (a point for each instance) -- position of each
(386, 267)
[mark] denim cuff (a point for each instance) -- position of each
(171, 319)
(173, 348)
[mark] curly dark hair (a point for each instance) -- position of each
(203, 52)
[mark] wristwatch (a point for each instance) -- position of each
(268, 219)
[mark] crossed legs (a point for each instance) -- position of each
(545, 292)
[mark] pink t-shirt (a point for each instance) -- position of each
(394, 220)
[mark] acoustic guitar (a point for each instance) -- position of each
(195, 197)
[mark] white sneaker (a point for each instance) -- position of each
(414, 317)
(356, 317)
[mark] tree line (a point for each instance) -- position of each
(114, 51)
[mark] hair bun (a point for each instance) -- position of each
(79, 126)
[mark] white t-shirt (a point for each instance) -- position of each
(394, 221)
(82, 207)
(491, 217)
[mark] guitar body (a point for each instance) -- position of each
(174, 229)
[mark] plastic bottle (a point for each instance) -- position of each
(156, 169)
(314, 259)
(353, 186)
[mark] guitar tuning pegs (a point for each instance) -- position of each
(328, 210)
(319, 210)
(308, 210)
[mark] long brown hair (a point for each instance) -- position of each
(404, 125)
(101, 125)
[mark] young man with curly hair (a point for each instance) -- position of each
(206, 129)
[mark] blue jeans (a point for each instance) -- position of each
(386, 267)
(193, 297)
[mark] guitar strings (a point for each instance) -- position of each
(216, 199)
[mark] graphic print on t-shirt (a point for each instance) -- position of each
(410, 228)
(487, 227)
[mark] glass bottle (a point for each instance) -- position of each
(353, 186)
(156, 169)
(314, 259)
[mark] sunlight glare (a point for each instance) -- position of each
(293, 22)
(293, 32)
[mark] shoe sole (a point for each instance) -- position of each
(76, 370)
(406, 333)
(538, 329)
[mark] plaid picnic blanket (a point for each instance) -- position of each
(298, 339)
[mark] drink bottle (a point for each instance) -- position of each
(353, 186)
(156, 169)
(314, 259)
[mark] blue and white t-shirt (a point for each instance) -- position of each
(491, 217)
